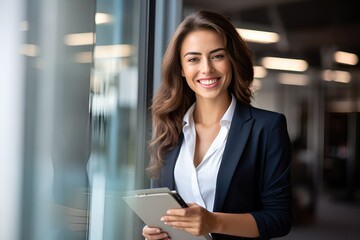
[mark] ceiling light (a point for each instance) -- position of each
(258, 36)
(286, 64)
(102, 18)
(336, 75)
(113, 51)
(79, 39)
(259, 72)
(83, 57)
(344, 106)
(345, 58)
(293, 79)
(30, 50)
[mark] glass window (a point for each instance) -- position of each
(86, 108)
(118, 117)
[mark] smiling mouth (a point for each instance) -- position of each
(208, 81)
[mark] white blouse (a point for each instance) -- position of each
(197, 185)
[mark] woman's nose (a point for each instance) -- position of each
(207, 66)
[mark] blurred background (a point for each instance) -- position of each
(76, 79)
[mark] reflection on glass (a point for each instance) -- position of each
(113, 109)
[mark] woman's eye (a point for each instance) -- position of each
(193, 59)
(220, 56)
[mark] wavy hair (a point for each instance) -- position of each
(174, 97)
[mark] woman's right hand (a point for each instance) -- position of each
(154, 234)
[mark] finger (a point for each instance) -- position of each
(177, 211)
(170, 219)
(183, 224)
(191, 228)
(151, 230)
(151, 233)
(189, 217)
(192, 209)
(162, 236)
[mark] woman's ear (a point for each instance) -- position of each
(182, 73)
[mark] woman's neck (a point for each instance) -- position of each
(209, 112)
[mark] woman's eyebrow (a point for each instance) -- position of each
(211, 52)
(216, 50)
(192, 53)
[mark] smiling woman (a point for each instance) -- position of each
(228, 160)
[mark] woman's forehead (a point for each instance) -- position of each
(202, 40)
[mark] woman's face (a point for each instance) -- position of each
(205, 64)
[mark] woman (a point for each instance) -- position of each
(228, 160)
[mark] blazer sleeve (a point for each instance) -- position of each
(275, 218)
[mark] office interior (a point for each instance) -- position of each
(76, 83)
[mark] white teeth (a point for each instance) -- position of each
(208, 82)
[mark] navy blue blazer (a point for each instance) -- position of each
(254, 175)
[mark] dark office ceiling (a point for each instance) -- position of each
(309, 29)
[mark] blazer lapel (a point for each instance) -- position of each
(239, 132)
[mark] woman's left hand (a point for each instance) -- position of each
(193, 219)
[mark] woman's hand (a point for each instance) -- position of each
(193, 219)
(154, 233)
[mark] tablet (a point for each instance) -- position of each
(151, 204)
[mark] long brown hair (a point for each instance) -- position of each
(174, 97)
